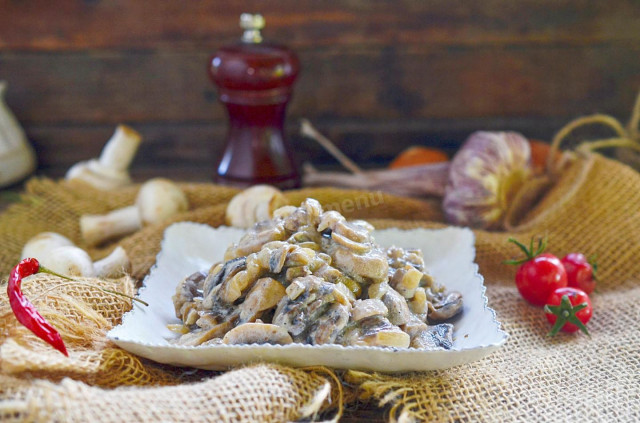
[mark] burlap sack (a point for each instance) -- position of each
(592, 207)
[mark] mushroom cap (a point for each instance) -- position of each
(254, 204)
(69, 260)
(41, 245)
(98, 176)
(160, 199)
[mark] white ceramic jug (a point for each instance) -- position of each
(17, 158)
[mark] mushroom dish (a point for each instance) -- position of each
(311, 276)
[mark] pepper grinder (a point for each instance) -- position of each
(255, 80)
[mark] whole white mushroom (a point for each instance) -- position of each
(59, 254)
(157, 200)
(111, 169)
(40, 245)
(253, 205)
(69, 260)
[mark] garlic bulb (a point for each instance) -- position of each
(17, 159)
(484, 177)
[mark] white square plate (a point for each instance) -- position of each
(189, 247)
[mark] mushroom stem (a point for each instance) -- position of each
(120, 149)
(99, 228)
(111, 170)
(157, 200)
(115, 265)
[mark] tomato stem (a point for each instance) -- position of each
(594, 266)
(529, 252)
(566, 313)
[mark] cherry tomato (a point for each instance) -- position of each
(568, 309)
(538, 277)
(539, 273)
(580, 272)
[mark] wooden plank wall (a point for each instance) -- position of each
(377, 75)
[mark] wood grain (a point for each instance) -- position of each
(377, 77)
(161, 24)
(544, 81)
(189, 151)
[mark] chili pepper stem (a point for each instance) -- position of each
(126, 296)
(43, 269)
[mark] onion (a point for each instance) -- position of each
(484, 177)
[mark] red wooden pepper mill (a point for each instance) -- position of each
(255, 81)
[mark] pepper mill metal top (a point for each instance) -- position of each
(252, 24)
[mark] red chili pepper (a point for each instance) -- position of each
(25, 311)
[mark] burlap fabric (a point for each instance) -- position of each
(593, 207)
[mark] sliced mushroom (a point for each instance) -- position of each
(400, 257)
(444, 306)
(363, 224)
(356, 247)
(200, 336)
(255, 238)
(307, 299)
(296, 288)
(299, 256)
(372, 265)
(354, 232)
(186, 291)
(430, 337)
(374, 331)
(406, 280)
(328, 326)
(307, 215)
(329, 220)
(284, 212)
(399, 313)
(377, 290)
(265, 294)
(297, 272)
(418, 303)
(349, 296)
(257, 333)
(368, 308)
(232, 288)
(219, 274)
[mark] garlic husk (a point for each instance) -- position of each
(485, 176)
(17, 158)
